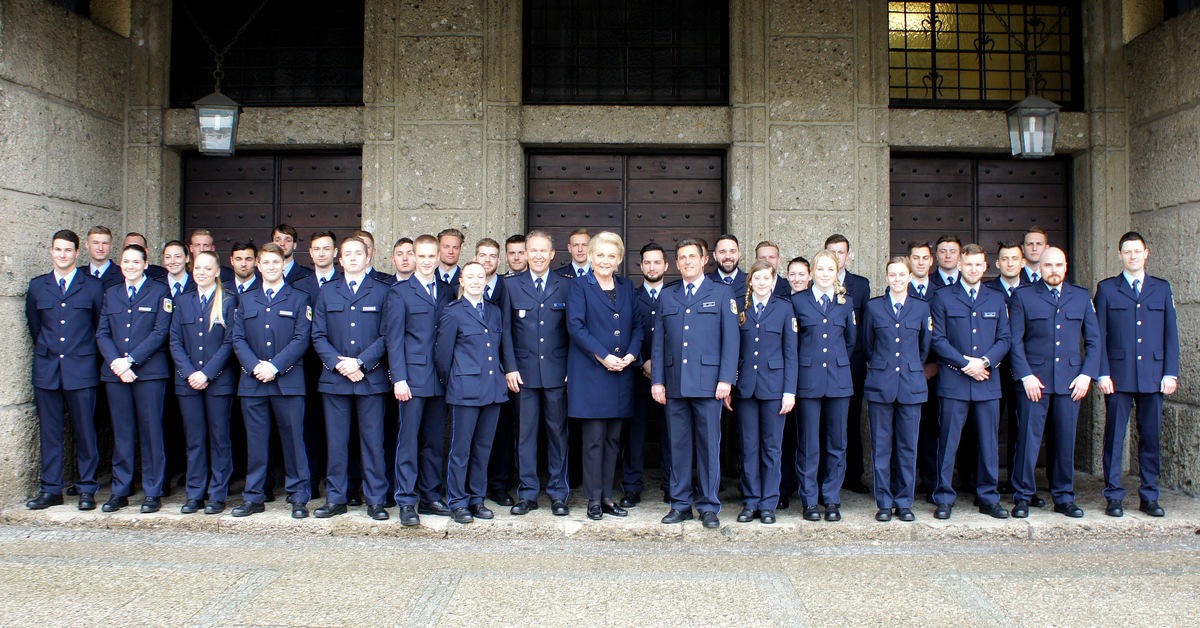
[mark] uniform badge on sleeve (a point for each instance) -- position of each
(733, 306)
(168, 305)
(308, 312)
(930, 323)
(854, 317)
(795, 325)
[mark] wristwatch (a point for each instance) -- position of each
(987, 364)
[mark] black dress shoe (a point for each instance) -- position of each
(408, 516)
(438, 508)
(1152, 508)
(501, 497)
(1037, 502)
(1114, 508)
(87, 501)
(377, 512)
(709, 520)
(678, 516)
(630, 500)
(833, 512)
(905, 514)
(330, 510)
(354, 500)
(883, 514)
(559, 508)
(214, 507)
(812, 513)
(613, 509)
(479, 511)
(461, 515)
(245, 509)
(784, 502)
(523, 506)
(1021, 509)
(151, 504)
(747, 515)
(943, 511)
(191, 506)
(594, 512)
(996, 511)
(767, 516)
(1069, 509)
(44, 500)
(299, 510)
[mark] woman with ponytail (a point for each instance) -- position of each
(205, 381)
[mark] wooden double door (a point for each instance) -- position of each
(643, 198)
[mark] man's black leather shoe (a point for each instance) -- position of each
(995, 511)
(151, 504)
(905, 514)
(377, 512)
(214, 508)
(87, 501)
(747, 515)
(408, 516)
(44, 500)
(943, 511)
(833, 512)
(1021, 509)
(1114, 508)
(354, 500)
(613, 509)
(191, 506)
(523, 506)
(559, 508)
(594, 512)
(245, 509)
(479, 511)
(785, 501)
(1037, 502)
(630, 500)
(709, 520)
(438, 508)
(1152, 508)
(678, 516)
(883, 514)
(299, 510)
(1069, 509)
(329, 510)
(767, 516)
(501, 497)
(462, 515)
(812, 513)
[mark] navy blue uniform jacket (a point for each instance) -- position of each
(351, 324)
(277, 331)
(537, 341)
(199, 345)
(979, 329)
(1141, 337)
(64, 331)
(768, 354)
(826, 342)
(468, 355)
(1054, 341)
(138, 330)
(599, 327)
(896, 349)
(411, 331)
(708, 323)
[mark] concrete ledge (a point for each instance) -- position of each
(858, 524)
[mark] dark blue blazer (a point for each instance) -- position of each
(63, 328)
(768, 355)
(568, 270)
(537, 339)
(351, 324)
(896, 349)
(110, 277)
(738, 287)
(277, 331)
(190, 286)
(930, 288)
(1141, 337)
(935, 279)
(826, 342)
(647, 308)
(468, 355)
(311, 285)
(412, 322)
(198, 345)
(858, 288)
(138, 330)
(979, 329)
(1054, 341)
(297, 273)
(387, 279)
(711, 356)
(996, 284)
(599, 327)
(453, 283)
(782, 288)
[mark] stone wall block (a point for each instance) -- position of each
(103, 68)
(1187, 58)
(440, 16)
(804, 233)
(794, 17)
(747, 177)
(1180, 448)
(145, 125)
(748, 51)
(275, 127)
(85, 157)
(440, 166)
(1184, 277)
(503, 123)
(15, 384)
(440, 78)
(24, 134)
(379, 198)
(379, 123)
(643, 126)
(811, 79)
(812, 168)
(29, 223)
(1151, 92)
(1161, 173)
(379, 54)
(40, 47)
(1189, 353)
(425, 219)
(20, 458)
(749, 124)
(960, 129)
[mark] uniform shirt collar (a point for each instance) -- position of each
(327, 277)
(586, 267)
(245, 286)
(544, 276)
(946, 278)
(473, 303)
(721, 274)
(917, 283)
(287, 268)
(100, 269)
(491, 287)
(755, 302)
(967, 289)
(137, 286)
(181, 280)
(818, 293)
(695, 284)
(69, 277)
(277, 288)
(892, 298)
(208, 295)
(842, 276)
(1129, 279)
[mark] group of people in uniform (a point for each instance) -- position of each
(423, 389)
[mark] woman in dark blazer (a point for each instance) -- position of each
(201, 345)
(467, 357)
(825, 317)
(899, 332)
(605, 326)
(132, 337)
(765, 390)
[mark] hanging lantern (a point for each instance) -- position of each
(1033, 128)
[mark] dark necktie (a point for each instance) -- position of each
(241, 288)
(758, 310)
(921, 291)
(446, 277)
(952, 280)
(321, 282)
(1036, 277)
(897, 306)
(62, 285)
(203, 303)
(352, 289)
(972, 293)
(430, 288)
(825, 303)
(690, 287)
(538, 284)
(270, 294)
(1055, 293)
(178, 287)
(1137, 288)
(480, 308)
(729, 281)
(132, 293)
(96, 273)
(654, 294)
(487, 294)
(1010, 290)
(579, 272)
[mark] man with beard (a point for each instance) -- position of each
(728, 254)
(654, 267)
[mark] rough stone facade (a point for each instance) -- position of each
(87, 139)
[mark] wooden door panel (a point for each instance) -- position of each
(675, 167)
(573, 215)
(574, 191)
(674, 191)
(348, 167)
(931, 194)
(230, 169)
(246, 216)
(931, 169)
(685, 215)
(575, 167)
(233, 192)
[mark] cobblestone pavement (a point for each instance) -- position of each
(51, 576)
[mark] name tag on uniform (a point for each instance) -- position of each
(521, 313)
(370, 308)
(709, 304)
(145, 309)
(558, 306)
(991, 314)
(287, 313)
